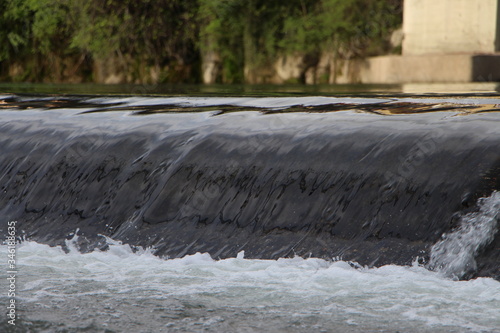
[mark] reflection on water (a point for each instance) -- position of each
(137, 105)
(251, 90)
(197, 90)
(383, 108)
(451, 88)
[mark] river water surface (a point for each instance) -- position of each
(122, 291)
(129, 289)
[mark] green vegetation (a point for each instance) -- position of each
(167, 40)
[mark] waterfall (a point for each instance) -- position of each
(454, 255)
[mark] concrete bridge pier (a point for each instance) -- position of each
(445, 41)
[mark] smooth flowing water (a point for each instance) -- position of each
(376, 179)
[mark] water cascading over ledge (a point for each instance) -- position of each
(374, 181)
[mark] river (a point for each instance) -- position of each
(250, 209)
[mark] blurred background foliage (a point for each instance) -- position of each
(170, 40)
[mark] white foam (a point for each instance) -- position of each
(454, 255)
(132, 286)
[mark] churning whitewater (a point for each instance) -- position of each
(122, 290)
(455, 253)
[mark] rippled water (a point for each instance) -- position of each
(120, 290)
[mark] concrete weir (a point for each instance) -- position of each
(372, 180)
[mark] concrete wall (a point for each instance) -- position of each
(451, 68)
(450, 26)
(435, 68)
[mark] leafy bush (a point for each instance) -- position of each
(246, 34)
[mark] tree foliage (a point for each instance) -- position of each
(244, 33)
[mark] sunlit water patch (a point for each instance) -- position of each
(119, 290)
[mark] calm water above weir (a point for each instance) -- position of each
(251, 90)
(250, 211)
